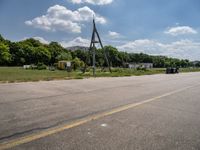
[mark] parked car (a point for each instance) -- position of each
(172, 70)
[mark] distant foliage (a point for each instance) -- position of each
(31, 51)
(41, 66)
(64, 56)
(5, 55)
(77, 63)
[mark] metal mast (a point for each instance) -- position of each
(93, 48)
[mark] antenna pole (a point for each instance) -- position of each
(94, 60)
(93, 48)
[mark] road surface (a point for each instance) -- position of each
(145, 112)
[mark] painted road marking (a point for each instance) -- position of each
(78, 122)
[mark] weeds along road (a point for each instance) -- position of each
(145, 112)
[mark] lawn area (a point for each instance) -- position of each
(189, 69)
(18, 74)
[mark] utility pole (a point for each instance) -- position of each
(93, 48)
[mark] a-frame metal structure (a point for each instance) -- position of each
(93, 48)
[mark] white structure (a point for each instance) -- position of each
(27, 66)
(140, 65)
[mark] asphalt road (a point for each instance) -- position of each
(146, 112)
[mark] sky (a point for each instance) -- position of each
(156, 27)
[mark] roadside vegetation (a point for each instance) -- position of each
(31, 51)
(190, 69)
(18, 74)
(44, 58)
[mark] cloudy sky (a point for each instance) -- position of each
(157, 27)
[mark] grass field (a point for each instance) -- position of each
(18, 74)
(190, 70)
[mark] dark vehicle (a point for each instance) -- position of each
(172, 70)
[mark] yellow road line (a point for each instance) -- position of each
(32, 137)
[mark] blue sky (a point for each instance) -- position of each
(157, 27)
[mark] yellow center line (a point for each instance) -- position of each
(78, 122)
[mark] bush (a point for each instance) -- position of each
(77, 63)
(41, 66)
(142, 69)
(120, 70)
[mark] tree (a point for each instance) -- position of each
(31, 51)
(1, 38)
(100, 58)
(158, 62)
(28, 53)
(32, 42)
(42, 55)
(113, 56)
(57, 52)
(184, 63)
(64, 56)
(77, 63)
(82, 55)
(5, 56)
(17, 54)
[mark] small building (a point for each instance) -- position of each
(140, 65)
(26, 66)
(63, 65)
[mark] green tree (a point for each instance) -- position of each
(25, 52)
(113, 56)
(158, 61)
(64, 56)
(100, 58)
(28, 53)
(17, 53)
(55, 49)
(32, 42)
(82, 55)
(1, 38)
(77, 63)
(5, 56)
(42, 55)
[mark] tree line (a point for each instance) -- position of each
(31, 51)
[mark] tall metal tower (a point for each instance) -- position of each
(93, 48)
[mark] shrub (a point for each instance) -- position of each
(41, 66)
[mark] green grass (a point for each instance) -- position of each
(190, 70)
(18, 74)
(120, 72)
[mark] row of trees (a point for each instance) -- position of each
(120, 59)
(31, 51)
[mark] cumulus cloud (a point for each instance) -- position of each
(143, 45)
(180, 30)
(41, 39)
(79, 41)
(184, 49)
(113, 35)
(59, 18)
(94, 2)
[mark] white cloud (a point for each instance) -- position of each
(41, 39)
(113, 35)
(180, 30)
(63, 19)
(94, 2)
(79, 41)
(184, 49)
(144, 45)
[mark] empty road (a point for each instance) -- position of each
(155, 112)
